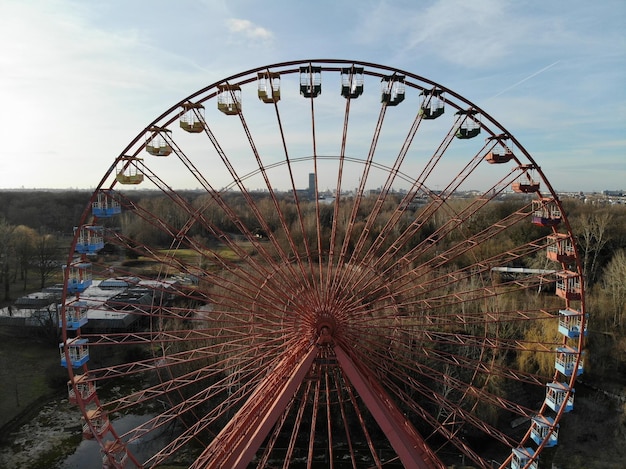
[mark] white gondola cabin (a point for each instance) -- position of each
(90, 239)
(75, 314)
(543, 428)
(310, 81)
(105, 205)
(99, 422)
(393, 89)
(521, 457)
(469, 124)
(192, 118)
(561, 248)
(557, 397)
(568, 285)
(79, 277)
(352, 82)
(432, 105)
(571, 323)
(128, 172)
(156, 142)
(78, 352)
(83, 389)
(565, 362)
(229, 99)
(546, 212)
(269, 86)
(500, 152)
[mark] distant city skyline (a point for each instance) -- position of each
(80, 80)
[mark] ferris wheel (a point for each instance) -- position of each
(323, 263)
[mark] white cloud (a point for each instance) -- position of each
(249, 29)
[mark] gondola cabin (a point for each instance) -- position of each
(79, 277)
(310, 81)
(114, 455)
(127, 171)
(105, 205)
(565, 362)
(469, 125)
(525, 187)
(268, 87)
(557, 396)
(568, 285)
(192, 118)
(433, 104)
(352, 82)
(83, 389)
(90, 239)
(543, 428)
(561, 249)
(546, 212)
(571, 323)
(229, 99)
(500, 152)
(393, 89)
(75, 314)
(521, 457)
(97, 420)
(156, 143)
(78, 351)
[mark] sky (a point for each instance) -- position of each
(79, 79)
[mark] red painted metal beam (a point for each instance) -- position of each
(237, 443)
(406, 441)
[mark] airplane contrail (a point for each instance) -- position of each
(525, 79)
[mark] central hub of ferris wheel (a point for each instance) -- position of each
(326, 327)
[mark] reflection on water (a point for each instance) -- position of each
(88, 455)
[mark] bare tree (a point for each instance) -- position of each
(6, 255)
(24, 249)
(46, 247)
(614, 285)
(593, 229)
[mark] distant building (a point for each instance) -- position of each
(311, 184)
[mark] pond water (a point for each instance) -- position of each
(88, 454)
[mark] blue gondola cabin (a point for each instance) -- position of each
(90, 239)
(75, 314)
(521, 457)
(557, 396)
(565, 362)
(571, 323)
(78, 351)
(543, 428)
(79, 277)
(105, 205)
